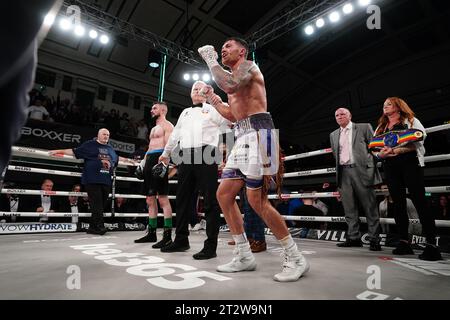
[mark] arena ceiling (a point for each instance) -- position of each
(306, 77)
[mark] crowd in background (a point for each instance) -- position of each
(65, 111)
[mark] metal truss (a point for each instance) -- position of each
(116, 27)
(307, 10)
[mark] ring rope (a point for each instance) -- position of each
(335, 194)
(439, 223)
(435, 158)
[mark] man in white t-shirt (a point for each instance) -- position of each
(142, 130)
(38, 111)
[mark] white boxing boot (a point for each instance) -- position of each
(243, 260)
(294, 266)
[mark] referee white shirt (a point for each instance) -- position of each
(196, 127)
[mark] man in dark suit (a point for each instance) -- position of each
(356, 174)
(43, 203)
(10, 203)
(72, 204)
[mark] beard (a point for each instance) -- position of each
(155, 116)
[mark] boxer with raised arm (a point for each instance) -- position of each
(254, 158)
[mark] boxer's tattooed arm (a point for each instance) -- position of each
(225, 111)
(231, 82)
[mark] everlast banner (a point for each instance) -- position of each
(117, 226)
(386, 240)
(51, 135)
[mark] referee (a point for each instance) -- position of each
(197, 130)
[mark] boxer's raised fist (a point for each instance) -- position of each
(209, 54)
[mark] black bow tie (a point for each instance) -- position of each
(200, 105)
(74, 205)
(46, 196)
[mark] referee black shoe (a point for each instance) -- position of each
(204, 255)
(96, 231)
(350, 243)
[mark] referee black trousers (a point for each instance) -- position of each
(193, 177)
(98, 197)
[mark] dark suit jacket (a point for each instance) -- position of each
(31, 203)
(64, 206)
(364, 160)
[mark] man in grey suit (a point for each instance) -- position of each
(356, 174)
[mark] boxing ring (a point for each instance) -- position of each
(66, 264)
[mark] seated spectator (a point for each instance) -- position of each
(386, 208)
(441, 212)
(311, 207)
(294, 204)
(42, 203)
(85, 203)
(10, 203)
(38, 111)
(282, 206)
(334, 205)
(441, 209)
(73, 204)
(122, 205)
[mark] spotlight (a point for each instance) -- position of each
(320, 23)
(65, 24)
(49, 19)
(348, 8)
(187, 76)
(154, 58)
(334, 16)
(309, 30)
(195, 77)
(206, 77)
(364, 3)
(93, 34)
(104, 39)
(79, 31)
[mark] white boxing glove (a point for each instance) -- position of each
(209, 54)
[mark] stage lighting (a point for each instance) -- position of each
(206, 77)
(309, 30)
(154, 58)
(93, 34)
(364, 3)
(334, 16)
(104, 39)
(195, 77)
(187, 76)
(348, 8)
(320, 23)
(65, 24)
(49, 19)
(79, 31)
